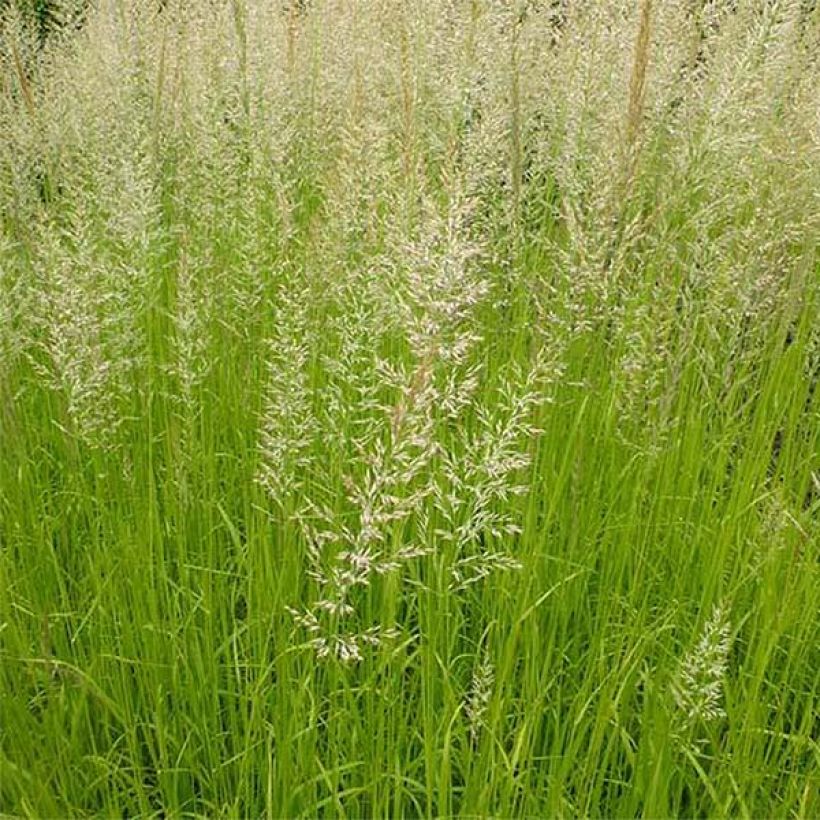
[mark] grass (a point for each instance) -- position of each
(410, 409)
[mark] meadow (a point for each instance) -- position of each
(408, 408)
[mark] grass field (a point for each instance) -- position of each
(409, 408)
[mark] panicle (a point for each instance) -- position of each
(478, 696)
(288, 424)
(697, 687)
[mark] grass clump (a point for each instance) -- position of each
(410, 409)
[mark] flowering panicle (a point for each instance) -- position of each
(478, 697)
(390, 491)
(10, 298)
(698, 684)
(397, 456)
(89, 335)
(191, 363)
(288, 424)
(484, 474)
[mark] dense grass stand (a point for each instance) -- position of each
(409, 408)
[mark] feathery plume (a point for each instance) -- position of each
(697, 687)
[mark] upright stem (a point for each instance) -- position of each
(515, 130)
(637, 90)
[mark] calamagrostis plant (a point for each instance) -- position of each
(394, 473)
(193, 306)
(191, 363)
(9, 308)
(288, 424)
(386, 490)
(407, 468)
(89, 339)
(478, 697)
(483, 474)
(442, 285)
(697, 687)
